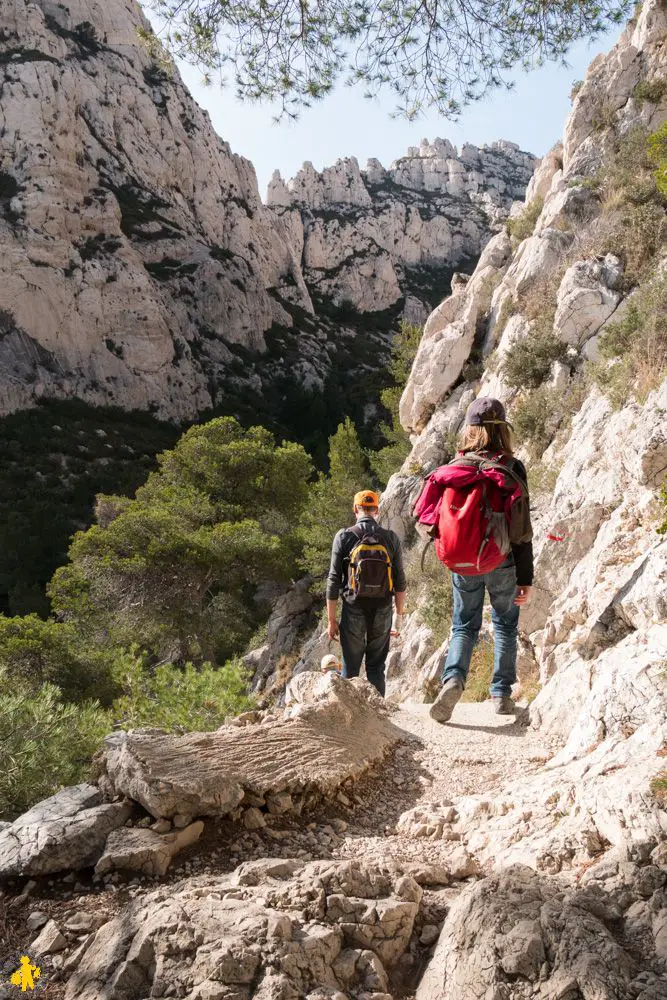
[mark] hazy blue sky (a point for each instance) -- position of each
(532, 115)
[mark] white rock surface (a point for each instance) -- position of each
(67, 831)
(137, 258)
(332, 737)
(586, 298)
(292, 929)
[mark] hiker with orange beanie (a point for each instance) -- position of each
(367, 571)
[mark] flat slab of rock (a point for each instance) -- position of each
(287, 928)
(339, 733)
(136, 849)
(65, 832)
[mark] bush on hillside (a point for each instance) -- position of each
(330, 499)
(177, 569)
(527, 362)
(179, 699)
(650, 90)
(44, 743)
(632, 187)
(521, 226)
(533, 417)
(662, 530)
(636, 346)
(38, 652)
(657, 153)
(54, 458)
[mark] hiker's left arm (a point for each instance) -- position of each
(334, 581)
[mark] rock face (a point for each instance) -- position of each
(286, 928)
(135, 248)
(139, 266)
(370, 238)
(67, 831)
(551, 942)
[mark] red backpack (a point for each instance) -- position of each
(475, 507)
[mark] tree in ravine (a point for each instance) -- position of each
(430, 53)
(175, 570)
(330, 498)
(390, 457)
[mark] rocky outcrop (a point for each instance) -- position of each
(139, 266)
(595, 627)
(283, 928)
(369, 239)
(135, 249)
(518, 934)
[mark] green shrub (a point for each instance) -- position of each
(650, 90)
(533, 418)
(527, 362)
(389, 458)
(575, 88)
(604, 116)
(44, 743)
(330, 499)
(522, 226)
(436, 610)
(542, 477)
(657, 152)
(662, 530)
(183, 699)
(36, 652)
(636, 345)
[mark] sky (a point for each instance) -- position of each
(345, 124)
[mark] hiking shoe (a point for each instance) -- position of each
(503, 705)
(443, 706)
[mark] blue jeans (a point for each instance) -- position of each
(468, 594)
(368, 631)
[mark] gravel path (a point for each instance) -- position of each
(473, 754)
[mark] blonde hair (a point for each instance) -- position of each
(487, 437)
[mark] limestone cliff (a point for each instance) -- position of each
(135, 248)
(141, 269)
(371, 238)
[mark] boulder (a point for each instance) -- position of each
(144, 851)
(64, 832)
(49, 940)
(336, 735)
(518, 927)
(587, 297)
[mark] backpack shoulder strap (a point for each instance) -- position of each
(491, 463)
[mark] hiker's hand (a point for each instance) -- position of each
(332, 629)
(397, 625)
(522, 595)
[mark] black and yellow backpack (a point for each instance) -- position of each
(369, 569)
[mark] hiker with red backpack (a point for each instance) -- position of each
(367, 569)
(476, 508)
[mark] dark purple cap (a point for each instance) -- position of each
(485, 410)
